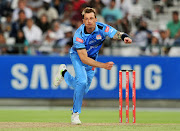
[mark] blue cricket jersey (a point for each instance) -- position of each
(92, 42)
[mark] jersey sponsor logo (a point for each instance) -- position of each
(93, 47)
(79, 40)
(107, 29)
(93, 68)
(93, 41)
(98, 37)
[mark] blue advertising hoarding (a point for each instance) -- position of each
(32, 76)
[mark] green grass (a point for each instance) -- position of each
(146, 120)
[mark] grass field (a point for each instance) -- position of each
(92, 120)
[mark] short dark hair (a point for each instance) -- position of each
(30, 19)
(88, 10)
(21, 11)
(175, 12)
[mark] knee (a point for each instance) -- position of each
(86, 91)
(81, 85)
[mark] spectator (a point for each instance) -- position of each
(32, 33)
(19, 24)
(164, 40)
(51, 12)
(21, 41)
(1, 27)
(142, 36)
(78, 24)
(20, 38)
(68, 14)
(154, 48)
(59, 5)
(174, 26)
(158, 9)
(48, 43)
(34, 5)
(67, 47)
(6, 26)
(120, 4)
(98, 4)
(67, 38)
(43, 23)
(5, 8)
(66, 43)
(3, 50)
(125, 25)
(77, 4)
(22, 6)
(59, 33)
(111, 14)
(99, 17)
(14, 4)
(168, 3)
(106, 2)
(77, 16)
(68, 31)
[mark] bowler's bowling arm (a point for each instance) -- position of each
(118, 35)
(121, 35)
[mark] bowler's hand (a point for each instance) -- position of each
(109, 65)
(127, 40)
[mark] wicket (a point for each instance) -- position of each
(127, 95)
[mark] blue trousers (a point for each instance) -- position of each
(81, 82)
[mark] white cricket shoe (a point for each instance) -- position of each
(75, 119)
(58, 78)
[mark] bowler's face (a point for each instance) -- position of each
(89, 20)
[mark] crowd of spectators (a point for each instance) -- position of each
(46, 27)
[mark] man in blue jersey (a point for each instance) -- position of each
(87, 42)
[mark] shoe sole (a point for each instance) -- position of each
(76, 123)
(59, 71)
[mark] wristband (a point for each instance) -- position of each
(124, 35)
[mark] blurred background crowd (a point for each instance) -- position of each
(46, 27)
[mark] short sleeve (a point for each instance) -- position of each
(109, 31)
(78, 42)
(119, 14)
(168, 25)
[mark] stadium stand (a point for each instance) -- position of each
(145, 21)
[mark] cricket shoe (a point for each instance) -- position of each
(59, 78)
(75, 119)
